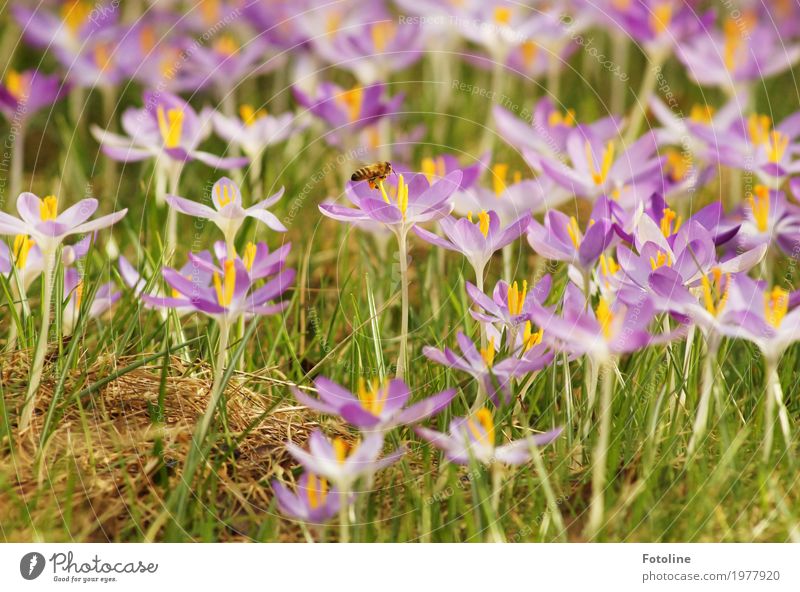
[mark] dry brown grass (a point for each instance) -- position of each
(99, 477)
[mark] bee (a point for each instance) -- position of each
(372, 173)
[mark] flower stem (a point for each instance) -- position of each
(704, 403)
(216, 389)
(172, 214)
(600, 456)
(649, 81)
(344, 517)
(774, 397)
(17, 162)
(402, 239)
(48, 260)
(552, 501)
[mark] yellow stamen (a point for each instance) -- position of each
(714, 295)
(22, 247)
(250, 115)
(341, 449)
(702, 113)
(600, 176)
(529, 338)
(776, 146)
(225, 194)
(483, 223)
(759, 127)
(433, 168)
(574, 232)
(249, 256)
(170, 125)
(605, 317)
(776, 305)
(227, 285)
(736, 31)
(226, 45)
(670, 216)
(382, 33)
(351, 99)
(661, 17)
(502, 15)
(147, 39)
(374, 398)
(48, 210)
(759, 207)
(661, 260)
(608, 268)
(488, 352)
(402, 195)
(678, 165)
(317, 490)
(74, 14)
(516, 298)
(17, 84)
(102, 56)
(567, 119)
(499, 173)
(482, 419)
(529, 52)
(210, 10)
(383, 192)
(333, 22)
(78, 295)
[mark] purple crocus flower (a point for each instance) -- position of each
(754, 145)
(561, 239)
(39, 219)
(104, 298)
(68, 31)
(509, 305)
(494, 378)
(739, 53)
(167, 129)
(768, 218)
(596, 171)
(608, 330)
(255, 130)
(313, 501)
(377, 407)
(348, 110)
(25, 93)
(232, 293)
(477, 241)
(399, 205)
(340, 462)
(228, 213)
(371, 49)
(545, 131)
(475, 437)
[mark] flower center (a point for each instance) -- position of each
(557, 118)
(225, 194)
(608, 268)
(317, 490)
(715, 296)
(226, 45)
(667, 228)
(759, 207)
(776, 304)
(661, 17)
(374, 398)
(736, 32)
(502, 15)
(227, 285)
(22, 247)
(102, 56)
(605, 317)
(702, 113)
(342, 449)
(488, 352)
(210, 11)
(17, 84)
(432, 168)
(759, 127)
(678, 165)
(147, 39)
(516, 297)
(660, 260)
(529, 52)
(401, 195)
(332, 22)
(249, 256)
(75, 13)
(351, 100)
(531, 338)
(777, 144)
(481, 426)
(250, 115)
(600, 175)
(48, 209)
(574, 232)
(170, 124)
(483, 222)
(382, 34)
